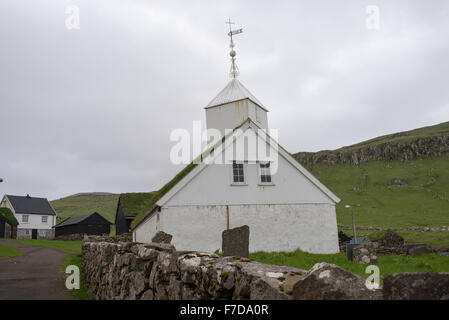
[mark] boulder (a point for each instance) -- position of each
(330, 282)
(416, 286)
(418, 251)
(235, 242)
(162, 237)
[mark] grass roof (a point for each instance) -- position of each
(7, 213)
(135, 203)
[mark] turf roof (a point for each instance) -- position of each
(136, 202)
(7, 213)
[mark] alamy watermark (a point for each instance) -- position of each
(213, 146)
(72, 20)
(372, 21)
(373, 281)
(73, 280)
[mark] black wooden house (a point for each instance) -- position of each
(91, 224)
(128, 207)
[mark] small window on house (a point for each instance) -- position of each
(44, 219)
(27, 231)
(238, 175)
(265, 173)
(25, 218)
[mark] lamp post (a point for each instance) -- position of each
(353, 222)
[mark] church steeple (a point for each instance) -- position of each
(234, 104)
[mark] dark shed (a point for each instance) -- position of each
(8, 224)
(91, 224)
(128, 207)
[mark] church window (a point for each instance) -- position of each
(238, 172)
(265, 173)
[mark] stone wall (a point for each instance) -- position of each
(113, 269)
(124, 270)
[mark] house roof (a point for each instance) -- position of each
(8, 215)
(78, 219)
(136, 202)
(234, 91)
(31, 205)
(189, 172)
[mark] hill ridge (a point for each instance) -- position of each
(430, 141)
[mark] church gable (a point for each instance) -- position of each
(214, 184)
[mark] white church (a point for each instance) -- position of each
(285, 207)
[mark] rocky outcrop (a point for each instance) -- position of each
(400, 150)
(416, 286)
(330, 282)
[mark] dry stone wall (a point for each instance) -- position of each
(113, 269)
(124, 270)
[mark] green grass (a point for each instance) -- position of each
(84, 204)
(8, 252)
(71, 246)
(387, 264)
(383, 205)
(75, 259)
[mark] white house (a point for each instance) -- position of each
(36, 216)
(235, 183)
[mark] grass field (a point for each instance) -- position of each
(387, 264)
(84, 204)
(384, 205)
(8, 252)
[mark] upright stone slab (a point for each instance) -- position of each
(162, 237)
(235, 242)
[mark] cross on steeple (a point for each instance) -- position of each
(234, 70)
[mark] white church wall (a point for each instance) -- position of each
(309, 227)
(231, 115)
(213, 186)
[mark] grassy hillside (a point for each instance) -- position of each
(441, 129)
(83, 204)
(390, 193)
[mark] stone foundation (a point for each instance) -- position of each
(41, 233)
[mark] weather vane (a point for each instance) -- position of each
(234, 70)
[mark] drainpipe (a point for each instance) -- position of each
(227, 217)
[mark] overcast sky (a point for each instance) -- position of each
(91, 109)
